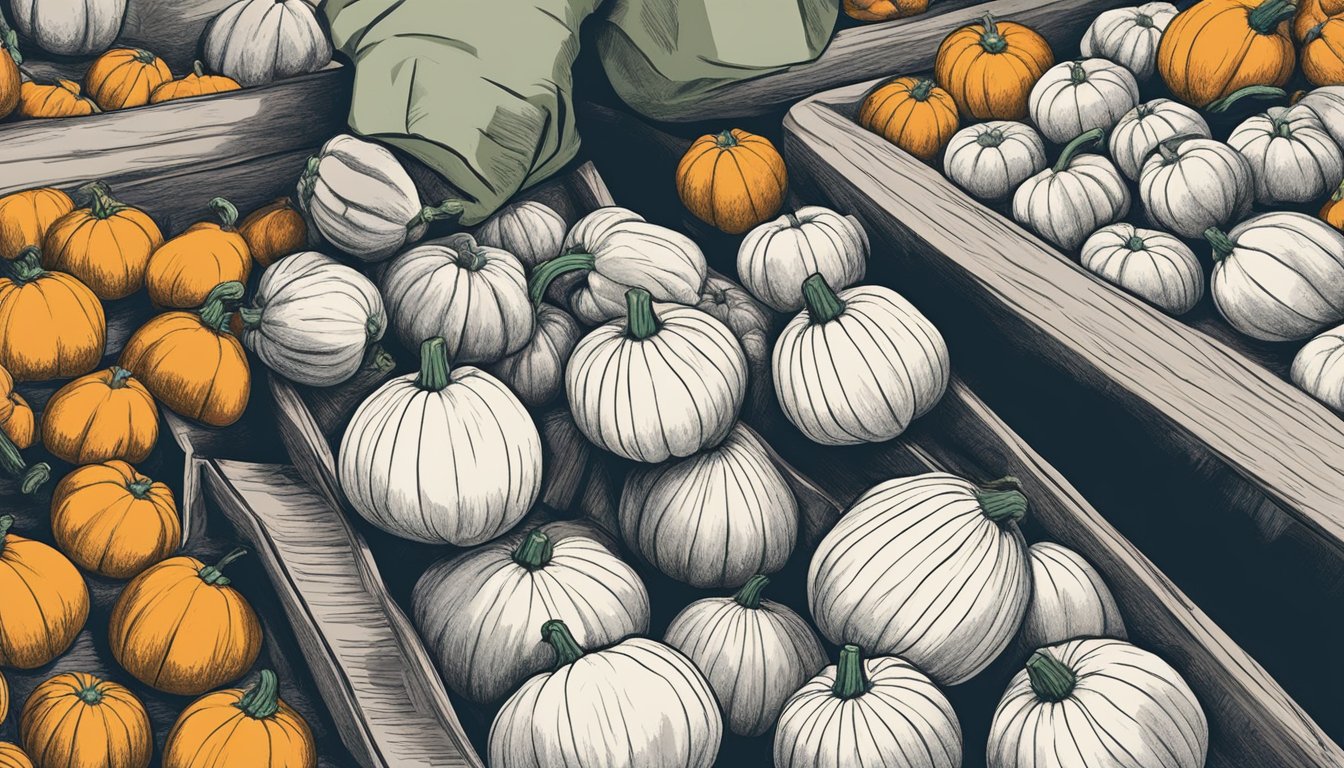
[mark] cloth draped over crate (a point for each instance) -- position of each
(480, 90)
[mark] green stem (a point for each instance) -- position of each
(448, 209)
(262, 700)
(214, 314)
(1050, 679)
(1219, 106)
(990, 138)
(30, 477)
(823, 305)
(197, 68)
(143, 56)
(851, 680)
(1339, 193)
(725, 139)
(1136, 243)
(990, 39)
(547, 271)
(1076, 73)
(469, 255)
(214, 574)
(1222, 244)
(27, 266)
(251, 317)
(433, 376)
(101, 203)
(308, 181)
(379, 359)
(6, 522)
(557, 635)
(922, 90)
(1073, 147)
(1143, 20)
(1145, 110)
(535, 551)
(119, 377)
(749, 596)
(227, 212)
(90, 694)
(793, 220)
(1266, 17)
(640, 321)
(1002, 500)
(9, 39)
(140, 488)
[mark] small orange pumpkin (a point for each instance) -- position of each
(11, 80)
(234, 727)
(13, 757)
(1309, 14)
(54, 98)
(17, 431)
(1332, 212)
(912, 113)
(1217, 47)
(4, 699)
(990, 68)
(106, 245)
(733, 180)
(1323, 53)
(884, 10)
(26, 216)
(78, 720)
(51, 325)
(274, 231)
(125, 77)
(43, 601)
(184, 270)
(107, 414)
(179, 627)
(196, 84)
(192, 363)
(21, 426)
(114, 521)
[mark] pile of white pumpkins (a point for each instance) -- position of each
(923, 582)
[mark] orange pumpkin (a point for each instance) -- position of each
(51, 325)
(54, 98)
(125, 77)
(78, 720)
(13, 757)
(235, 727)
(1332, 212)
(179, 627)
(274, 231)
(21, 426)
(1323, 53)
(11, 80)
(192, 363)
(184, 270)
(4, 699)
(26, 216)
(196, 84)
(884, 10)
(113, 520)
(1309, 14)
(1217, 47)
(106, 245)
(990, 68)
(733, 180)
(43, 601)
(912, 113)
(1331, 7)
(107, 414)
(17, 430)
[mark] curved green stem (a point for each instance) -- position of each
(9, 40)
(27, 266)
(851, 680)
(433, 376)
(262, 700)
(197, 68)
(922, 89)
(251, 317)
(1050, 679)
(379, 359)
(143, 56)
(749, 596)
(640, 321)
(991, 40)
(101, 203)
(1219, 106)
(823, 305)
(1266, 17)
(214, 314)
(535, 550)
(1002, 500)
(1222, 244)
(30, 477)
(227, 212)
(547, 271)
(447, 210)
(1074, 147)
(214, 574)
(557, 635)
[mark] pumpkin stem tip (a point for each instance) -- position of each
(851, 679)
(726, 139)
(214, 574)
(1002, 500)
(433, 376)
(547, 271)
(640, 321)
(1222, 244)
(1071, 150)
(823, 305)
(227, 212)
(1050, 679)
(262, 700)
(557, 635)
(140, 488)
(448, 209)
(749, 596)
(922, 89)
(36, 477)
(119, 377)
(535, 551)
(991, 39)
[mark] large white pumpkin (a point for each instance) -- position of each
(1189, 185)
(777, 256)
(1069, 599)
(1074, 198)
(1129, 36)
(313, 319)
(859, 366)
(70, 27)
(989, 160)
(536, 373)
(257, 41)
(653, 386)
(1318, 368)
(1153, 265)
(1074, 97)
(462, 466)
(1097, 702)
(1279, 276)
(868, 713)
(714, 519)
(637, 704)
(1149, 124)
(930, 568)
(478, 611)
(532, 231)
(1292, 157)
(754, 652)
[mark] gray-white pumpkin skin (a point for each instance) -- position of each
(474, 296)
(1129, 36)
(1153, 265)
(1130, 709)
(69, 27)
(776, 257)
(258, 41)
(916, 569)
(1318, 368)
(1203, 183)
(1327, 103)
(1284, 279)
(1142, 128)
(1066, 206)
(747, 318)
(638, 704)
(479, 610)
(530, 230)
(754, 658)
(903, 720)
(989, 160)
(1076, 96)
(317, 319)
(536, 373)
(714, 519)
(1069, 599)
(1293, 159)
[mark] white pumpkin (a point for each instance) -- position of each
(930, 568)
(530, 230)
(990, 160)
(1279, 276)
(747, 318)
(859, 366)
(777, 256)
(653, 386)
(474, 296)
(1129, 36)
(536, 373)
(1142, 128)
(1318, 368)
(868, 713)
(1074, 198)
(362, 201)
(714, 519)
(612, 250)
(1327, 103)
(1292, 158)
(755, 653)
(462, 466)
(313, 319)
(1069, 599)
(1189, 185)
(478, 611)
(257, 41)
(1097, 702)
(638, 704)
(69, 27)
(1074, 97)
(1152, 265)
